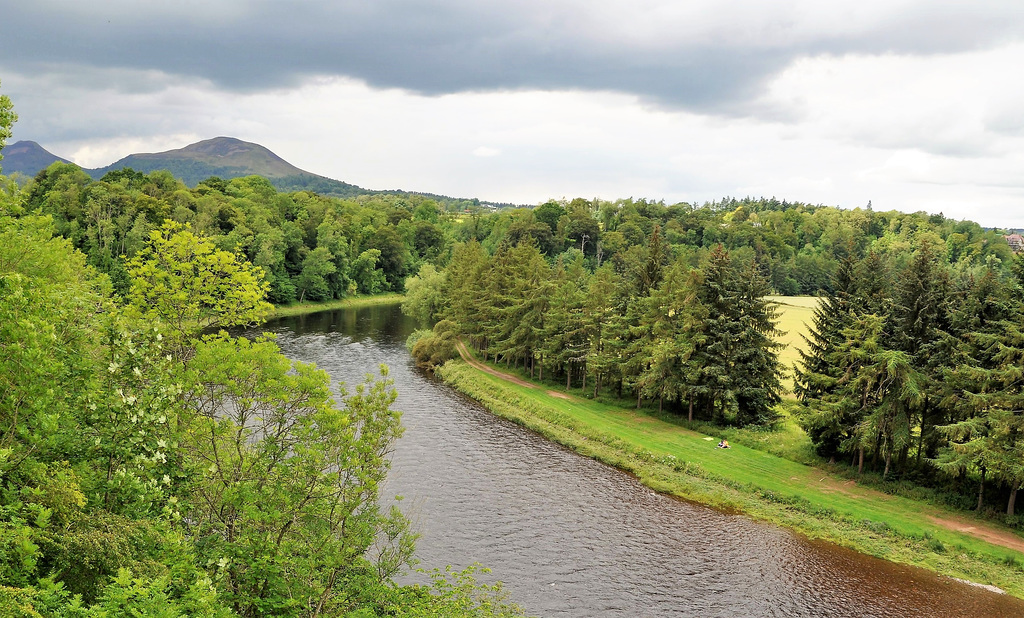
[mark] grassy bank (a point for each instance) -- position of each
(675, 460)
(281, 311)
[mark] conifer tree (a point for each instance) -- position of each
(817, 376)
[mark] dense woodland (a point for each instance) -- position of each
(131, 458)
(152, 464)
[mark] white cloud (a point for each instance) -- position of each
(906, 129)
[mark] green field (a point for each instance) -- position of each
(281, 311)
(674, 459)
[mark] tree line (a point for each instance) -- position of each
(917, 371)
(696, 336)
(312, 247)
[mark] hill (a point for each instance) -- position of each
(228, 157)
(224, 157)
(27, 158)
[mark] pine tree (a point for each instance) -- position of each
(758, 373)
(817, 376)
(740, 367)
(986, 434)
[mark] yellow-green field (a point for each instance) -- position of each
(795, 314)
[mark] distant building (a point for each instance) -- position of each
(1016, 242)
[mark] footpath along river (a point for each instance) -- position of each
(572, 537)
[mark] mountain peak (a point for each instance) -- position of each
(27, 158)
(226, 157)
(236, 157)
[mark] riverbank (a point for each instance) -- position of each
(675, 460)
(353, 302)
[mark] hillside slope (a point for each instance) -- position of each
(27, 158)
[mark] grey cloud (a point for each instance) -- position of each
(447, 47)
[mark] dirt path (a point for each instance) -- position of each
(466, 356)
(1003, 538)
(469, 358)
(996, 536)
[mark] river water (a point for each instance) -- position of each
(572, 537)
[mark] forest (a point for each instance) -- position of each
(137, 435)
(153, 464)
(912, 367)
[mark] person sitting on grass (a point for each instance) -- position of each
(723, 444)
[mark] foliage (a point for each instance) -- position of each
(286, 501)
(150, 471)
(189, 285)
(7, 118)
(432, 348)
(423, 292)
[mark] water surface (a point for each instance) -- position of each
(569, 536)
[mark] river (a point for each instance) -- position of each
(572, 537)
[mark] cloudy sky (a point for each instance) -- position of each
(912, 104)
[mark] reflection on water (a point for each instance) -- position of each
(573, 537)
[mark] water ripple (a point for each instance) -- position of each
(572, 537)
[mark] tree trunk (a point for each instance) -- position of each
(920, 440)
(888, 461)
(1013, 498)
(690, 417)
(584, 387)
(860, 464)
(568, 377)
(981, 489)
(638, 399)
(661, 399)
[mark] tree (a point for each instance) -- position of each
(313, 280)
(423, 295)
(367, 278)
(287, 501)
(549, 213)
(7, 119)
(986, 391)
(186, 283)
(666, 348)
(740, 369)
(817, 375)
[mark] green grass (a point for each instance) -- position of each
(281, 311)
(764, 482)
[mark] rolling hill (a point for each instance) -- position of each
(225, 157)
(27, 158)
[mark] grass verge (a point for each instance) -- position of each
(282, 311)
(678, 461)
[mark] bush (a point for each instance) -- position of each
(433, 349)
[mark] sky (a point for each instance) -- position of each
(913, 105)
